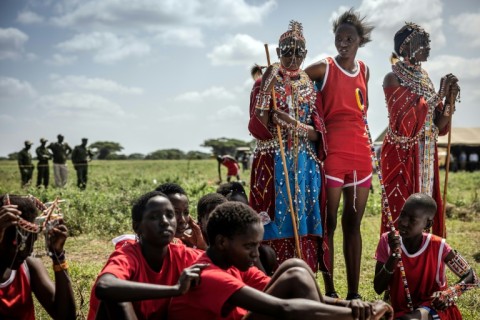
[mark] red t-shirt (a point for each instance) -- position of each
(128, 263)
(206, 301)
(425, 272)
(231, 165)
(16, 296)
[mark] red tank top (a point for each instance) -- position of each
(16, 296)
(346, 136)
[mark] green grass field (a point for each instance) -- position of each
(101, 212)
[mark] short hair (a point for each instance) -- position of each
(209, 202)
(354, 18)
(421, 201)
(26, 205)
(231, 190)
(169, 188)
(139, 205)
(229, 219)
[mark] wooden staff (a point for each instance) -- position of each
(447, 166)
(285, 171)
(359, 97)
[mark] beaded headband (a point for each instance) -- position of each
(412, 30)
(295, 30)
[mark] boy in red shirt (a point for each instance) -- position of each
(139, 278)
(424, 257)
(232, 167)
(231, 284)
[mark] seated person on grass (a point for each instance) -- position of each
(230, 284)
(139, 278)
(187, 229)
(22, 274)
(267, 261)
(233, 191)
(424, 257)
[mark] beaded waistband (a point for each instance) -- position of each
(408, 142)
(267, 145)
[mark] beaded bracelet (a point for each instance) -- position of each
(60, 267)
(396, 255)
(263, 101)
(387, 271)
(57, 257)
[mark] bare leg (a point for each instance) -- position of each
(333, 199)
(352, 238)
(293, 279)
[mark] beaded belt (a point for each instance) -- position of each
(267, 145)
(408, 142)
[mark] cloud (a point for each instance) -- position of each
(106, 47)
(463, 68)
(126, 13)
(240, 49)
(227, 113)
(12, 42)
(81, 105)
(189, 37)
(29, 17)
(217, 93)
(70, 83)
(468, 25)
(61, 60)
(388, 16)
(14, 88)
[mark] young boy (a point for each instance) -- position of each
(21, 274)
(187, 230)
(205, 206)
(232, 167)
(139, 278)
(424, 257)
(230, 284)
(233, 191)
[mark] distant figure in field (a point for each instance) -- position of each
(80, 156)
(61, 150)
(462, 160)
(232, 166)
(43, 171)
(25, 163)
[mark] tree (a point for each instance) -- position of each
(197, 155)
(166, 154)
(13, 156)
(136, 156)
(105, 148)
(224, 146)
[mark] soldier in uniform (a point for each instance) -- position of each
(43, 172)
(25, 163)
(61, 150)
(80, 157)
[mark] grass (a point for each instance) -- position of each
(101, 212)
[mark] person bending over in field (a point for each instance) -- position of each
(231, 284)
(139, 278)
(22, 274)
(188, 230)
(424, 257)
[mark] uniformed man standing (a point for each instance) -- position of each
(25, 164)
(60, 151)
(43, 171)
(80, 157)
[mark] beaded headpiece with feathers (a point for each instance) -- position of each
(295, 30)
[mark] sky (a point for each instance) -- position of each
(160, 74)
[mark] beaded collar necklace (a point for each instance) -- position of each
(417, 79)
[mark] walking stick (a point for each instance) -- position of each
(285, 171)
(358, 95)
(447, 166)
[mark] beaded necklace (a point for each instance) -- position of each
(417, 80)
